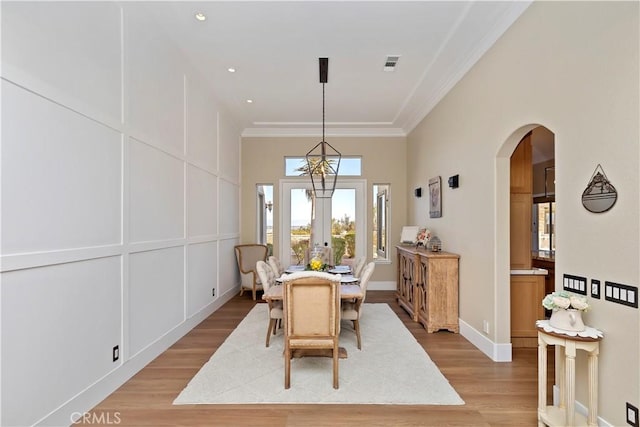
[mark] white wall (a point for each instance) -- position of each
(120, 203)
(572, 67)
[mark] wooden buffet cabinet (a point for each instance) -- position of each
(428, 287)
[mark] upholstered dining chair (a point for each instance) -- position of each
(247, 256)
(311, 316)
(268, 279)
(351, 310)
(359, 265)
(276, 265)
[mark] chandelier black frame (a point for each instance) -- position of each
(323, 160)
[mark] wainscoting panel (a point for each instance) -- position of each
(61, 177)
(156, 295)
(229, 148)
(51, 349)
(160, 121)
(156, 199)
(41, 50)
(202, 276)
(228, 210)
(202, 202)
(202, 127)
(228, 276)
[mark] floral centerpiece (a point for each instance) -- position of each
(567, 309)
(424, 234)
(316, 264)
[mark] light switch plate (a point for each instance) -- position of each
(595, 288)
(632, 415)
(621, 294)
(575, 284)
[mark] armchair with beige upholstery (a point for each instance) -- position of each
(247, 256)
(276, 266)
(351, 310)
(268, 279)
(311, 316)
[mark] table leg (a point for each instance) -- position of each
(570, 381)
(542, 379)
(592, 419)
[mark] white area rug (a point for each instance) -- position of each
(391, 368)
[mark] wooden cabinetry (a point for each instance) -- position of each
(527, 292)
(521, 205)
(428, 287)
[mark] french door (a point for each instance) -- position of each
(305, 222)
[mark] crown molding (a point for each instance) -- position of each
(284, 132)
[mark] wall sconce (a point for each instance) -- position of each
(269, 206)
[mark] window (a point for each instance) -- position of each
(380, 222)
(544, 217)
(349, 166)
(264, 210)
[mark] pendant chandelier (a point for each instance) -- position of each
(323, 161)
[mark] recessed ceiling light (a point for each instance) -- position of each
(200, 16)
(231, 70)
(249, 101)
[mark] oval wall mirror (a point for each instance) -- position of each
(600, 195)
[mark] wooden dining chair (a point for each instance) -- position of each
(351, 310)
(247, 256)
(268, 279)
(311, 316)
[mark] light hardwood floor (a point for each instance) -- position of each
(495, 394)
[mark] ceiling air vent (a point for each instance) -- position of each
(391, 62)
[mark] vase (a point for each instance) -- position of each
(567, 320)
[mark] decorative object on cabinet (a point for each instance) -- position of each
(427, 287)
(434, 244)
(564, 414)
(435, 198)
(409, 234)
(423, 237)
(600, 195)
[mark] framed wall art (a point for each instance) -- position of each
(435, 198)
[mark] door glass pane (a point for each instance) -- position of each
(546, 226)
(301, 224)
(343, 225)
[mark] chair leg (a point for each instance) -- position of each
(287, 368)
(254, 293)
(271, 325)
(336, 352)
(241, 290)
(356, 325)
(275, 325)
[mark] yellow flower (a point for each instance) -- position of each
(316, 264)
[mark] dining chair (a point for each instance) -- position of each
(359, 265)
(247, 256)
(276, 266)
(268, 279)
(351, 310)
(311, 316)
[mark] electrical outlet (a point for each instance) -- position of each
(213, 292)
(116, 353)
(632, 415)
(485, 326)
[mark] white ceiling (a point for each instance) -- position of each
(275, 47)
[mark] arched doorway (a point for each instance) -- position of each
(540, 158)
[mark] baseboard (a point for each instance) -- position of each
(75, 407)
(496, 352)
(381, 286)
